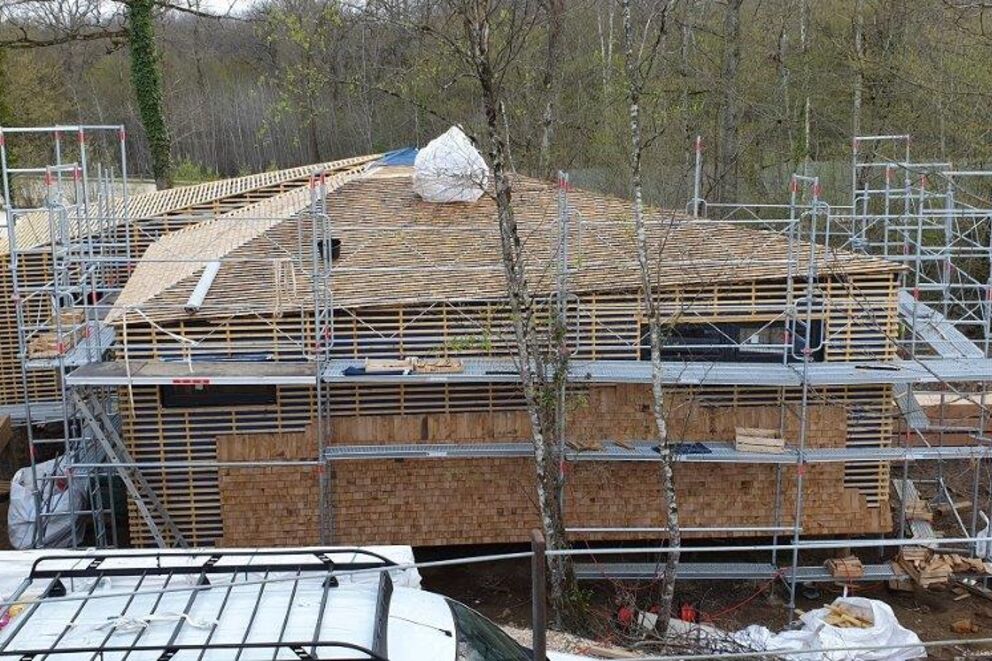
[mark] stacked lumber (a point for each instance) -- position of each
(438, 366)
(848, 616)
(413, 365)
(926, 568)
(52, 344)
(848, 567)
(930, 569)
(755, 439)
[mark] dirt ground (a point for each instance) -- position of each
(501, 591)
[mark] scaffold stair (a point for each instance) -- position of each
(914, 415)
(935, 329)
(145, 499)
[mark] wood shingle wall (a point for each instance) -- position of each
(445, 502)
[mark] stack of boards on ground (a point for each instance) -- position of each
(930, 569)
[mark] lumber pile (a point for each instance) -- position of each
(848, 616)
(845, 568)
(52, 344)
(929, 569)
(413, 366)
(755, 439)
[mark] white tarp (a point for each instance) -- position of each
(55, 499)
(450, 169)
(983, 547)
(815, 634)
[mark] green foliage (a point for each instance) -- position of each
(188, 172)
(146, 80)
(317, 78)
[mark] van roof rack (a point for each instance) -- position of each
(230, 569)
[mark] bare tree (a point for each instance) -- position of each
(727, 145)
(555, 10)
(542, 372)
(41, 23)
(639, 58)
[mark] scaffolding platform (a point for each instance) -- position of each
(90, 349)
(715, 452)
(41, 412)
(153, 372)
(495, 370)
(935, 329)
(721, 571)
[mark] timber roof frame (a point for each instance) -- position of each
(398, 249)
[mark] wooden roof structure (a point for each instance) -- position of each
(33, 229)
(397, 249)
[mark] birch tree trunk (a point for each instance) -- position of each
(634, 88)
(539, 393)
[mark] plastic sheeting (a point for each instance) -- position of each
(56, 500)
(983, 547)
(815, 634)
(450, 169)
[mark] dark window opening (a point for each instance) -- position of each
(197, 396)
(745, 343)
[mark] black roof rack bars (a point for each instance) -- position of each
(382, 598)
(209, 561)
(300, 648)
(322, 561)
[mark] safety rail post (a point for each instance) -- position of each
(539, 601)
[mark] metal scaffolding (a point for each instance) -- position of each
(918, 214)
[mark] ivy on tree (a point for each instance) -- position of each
(146, 79)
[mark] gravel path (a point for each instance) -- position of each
(557, 641)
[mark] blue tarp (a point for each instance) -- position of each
(399, 156)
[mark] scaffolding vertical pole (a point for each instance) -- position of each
(806, 356)
(697, 179)
(321, 251)
(19, 313)
(125, 202)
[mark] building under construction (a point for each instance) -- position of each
(323, 355)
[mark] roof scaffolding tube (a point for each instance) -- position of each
(202, 287)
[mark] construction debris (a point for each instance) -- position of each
(411, 365)
(51, 344)
(849, 622)
(846, 615)
(964, 625)
(930, 569)
(943, 509)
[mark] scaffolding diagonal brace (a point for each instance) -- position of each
(137, 486)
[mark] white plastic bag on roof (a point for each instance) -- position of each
(901, 644)
(55, 498)
(983, 547)
(450, 169)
